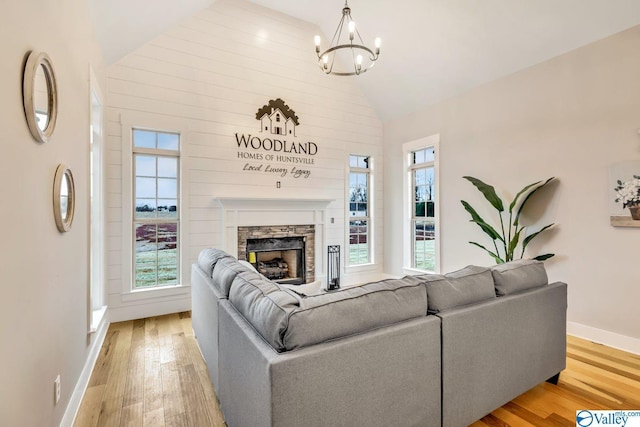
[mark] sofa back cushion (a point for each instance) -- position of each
(225, 272)
(354, 310)
(264, 304)
(463, 287)
(518, 276)
(208, 258)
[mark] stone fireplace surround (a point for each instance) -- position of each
(278, 213)
(277, 231)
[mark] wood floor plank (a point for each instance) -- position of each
(171, 390)
(153, 418)
(180, 349)
(615, 387)
(510, 418)
(194, 400)
(602, 349)
(89, 411)
(559, 420)
(152, 376)
(111, 408)
(103, 363)
(177, 390)
(177, 421)
(167, 354)
(134, 389)
(132, 415)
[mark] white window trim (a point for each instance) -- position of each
(96, 304)
(129, 122)
(407, 235)
(371, 265)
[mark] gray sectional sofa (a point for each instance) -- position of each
(426, 350)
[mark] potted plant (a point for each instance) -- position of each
(507, 238)
(628, 193)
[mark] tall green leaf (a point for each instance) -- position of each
(488, 192)
(520, 193)
(531, 236)
(512, 245)
(526, 199)
(543, 257)
(493, 254)
(481, 222)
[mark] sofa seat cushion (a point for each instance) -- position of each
(354, 310)
(208, 258)
(520, 275)
(264, 304)
(459, 288)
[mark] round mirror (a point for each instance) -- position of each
(40, 96)
(63, 198)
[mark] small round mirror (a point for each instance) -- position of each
(40, 96)
(63, 198)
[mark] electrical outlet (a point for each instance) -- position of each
(56, 389)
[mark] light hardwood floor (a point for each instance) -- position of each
(150, 373)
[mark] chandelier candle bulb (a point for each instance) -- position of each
(316, 40)
(377, 43)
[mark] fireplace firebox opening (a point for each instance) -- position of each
(281, 259)
(294, 245)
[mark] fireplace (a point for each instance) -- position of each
(285, 254)
(280, 258)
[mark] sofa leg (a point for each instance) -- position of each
(554, 379)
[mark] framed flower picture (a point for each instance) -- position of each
(624, 193)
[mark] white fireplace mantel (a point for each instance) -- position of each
(278, 204)
(252, 211)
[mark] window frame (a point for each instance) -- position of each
(368, 218)
(157, 153)
(96, 298)
(408, 149)
(142, 121)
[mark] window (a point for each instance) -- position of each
(423, 208)
(156, 213)
(359, 210)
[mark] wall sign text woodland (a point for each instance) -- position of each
(278, 119)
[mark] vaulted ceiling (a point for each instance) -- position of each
(431, 49)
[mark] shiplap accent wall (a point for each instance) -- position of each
(210, 74)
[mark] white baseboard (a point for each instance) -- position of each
(611, 339)
(81, 386)
(141, 311)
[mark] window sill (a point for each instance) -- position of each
(97, 316)
(360, 267)
(165, 291)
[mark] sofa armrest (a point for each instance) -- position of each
(496, 350)
(377, 378)
(204, 318)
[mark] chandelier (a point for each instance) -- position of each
(347, 55)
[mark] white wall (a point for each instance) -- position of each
(208, 76)
(570, 117)
(43, 307)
